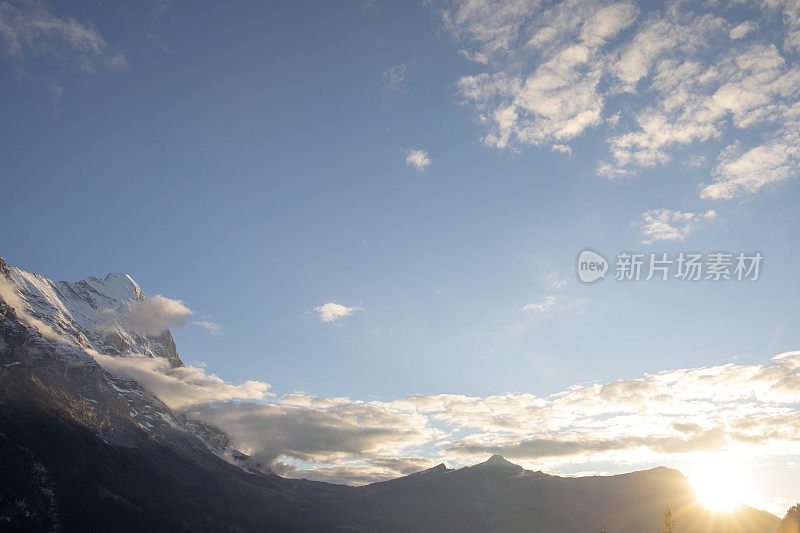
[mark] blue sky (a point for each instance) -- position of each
(258, 162)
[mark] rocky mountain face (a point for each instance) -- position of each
(86, 449)
(91, 312)
(83, 449)
(89, 315)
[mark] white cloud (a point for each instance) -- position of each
(331, 311)
(659, 79)
(492, 26)
(790, 10)
(563, 148)
(180, 387)
(153, 315)
(29, 28)
(483, 88)
(211, 327)
(744, 411)
(743, 29)
(352, 429)
(739, 173)
(748, 409)
(669, 225)
(544, 65)
(698, 100)
(356, 472)
(646, 415)
(418, 159)
(557, 303)
(394, 76)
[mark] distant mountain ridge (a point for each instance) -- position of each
(498, 495)
(84, 449)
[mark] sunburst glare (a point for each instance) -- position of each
(718, 484)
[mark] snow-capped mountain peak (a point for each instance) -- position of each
(94, 313)
(63, 334)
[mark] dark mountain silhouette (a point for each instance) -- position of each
(84, 450)
(498, 495)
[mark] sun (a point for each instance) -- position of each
(718, 484)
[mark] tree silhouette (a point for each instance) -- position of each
(791, 522)
(670, 524)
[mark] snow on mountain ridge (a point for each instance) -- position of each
(68, 343)
(93, 313)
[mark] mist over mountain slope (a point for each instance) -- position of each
(84, 448)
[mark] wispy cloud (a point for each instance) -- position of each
(211, 327)
(738, 173)
(544, 65)
(332, 312)
(750, 409)
(394, 76)
(558, 303)
(563, 148)
(418, 159)
(669, 225)
(660, 78)
(156, 41)
(180, 387)
(29, 28)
